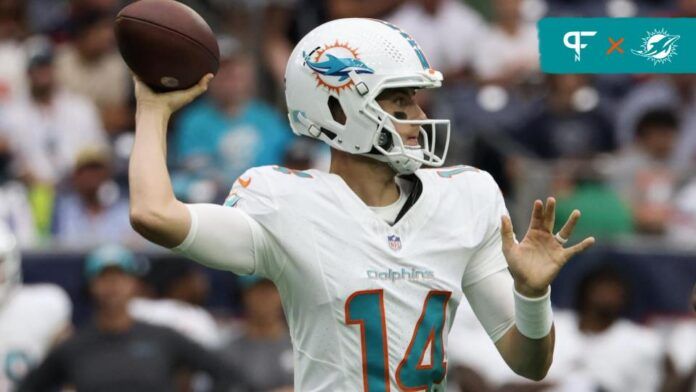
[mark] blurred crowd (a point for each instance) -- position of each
(621, 148)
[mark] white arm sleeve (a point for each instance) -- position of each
(223, 238)
(493, 303)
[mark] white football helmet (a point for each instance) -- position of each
(10, 263)
(352, 61)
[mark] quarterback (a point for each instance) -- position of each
(372, 258)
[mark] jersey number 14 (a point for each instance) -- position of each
(366, 309)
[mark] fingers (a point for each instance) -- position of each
(550, 214)
(200, 87)
(567, 229)
(537, 221)
(506, 233)
(579, 248)
(205, 81)
(143, 92)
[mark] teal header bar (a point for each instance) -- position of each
(617, 45)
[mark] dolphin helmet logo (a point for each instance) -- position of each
(332, 65)
(658, 46)
(339, 67)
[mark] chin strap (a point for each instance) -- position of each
(413, 197)
(402, 165)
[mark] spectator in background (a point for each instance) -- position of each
(604, 214)
(13, 77)
(32, 317)
(267, 360)
(285, 22)
(306, 154)
(115, 352)
(642, 175)
(337, 9)
(567, 123)
(94, 210)
(178, 290)
(90, 65)
(681, 228)
(675, 91)
(221, 135)
(508, 53)
(447, 30)
(49, 126)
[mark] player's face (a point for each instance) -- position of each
(401, 104)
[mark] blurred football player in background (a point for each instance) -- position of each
(597, 348)
(32, 317)
(175, 292)
(601, 347)
(371, 259)
(116, 352)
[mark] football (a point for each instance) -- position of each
(166, 44)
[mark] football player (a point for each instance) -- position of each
(372, 258)
(32, 317)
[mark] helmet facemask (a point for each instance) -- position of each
(389, 146)
(403, 158)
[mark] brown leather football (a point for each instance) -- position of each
(166, 44)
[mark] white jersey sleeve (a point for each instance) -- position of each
(489, 257)
(493, 304)
(222, 238)
(227, 237)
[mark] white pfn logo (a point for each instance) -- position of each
(572, 40)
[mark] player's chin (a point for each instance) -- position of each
(412, 143)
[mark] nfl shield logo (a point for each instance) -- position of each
(394, 242)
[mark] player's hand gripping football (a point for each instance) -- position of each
(536, 260)
(169, 102)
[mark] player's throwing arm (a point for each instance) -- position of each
(154, 211)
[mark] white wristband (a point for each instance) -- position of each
(533, 316)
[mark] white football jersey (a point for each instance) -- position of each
(30, 320)
(192, 321)
(370, 305)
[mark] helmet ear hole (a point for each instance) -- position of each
(385, 140)
(337, 112)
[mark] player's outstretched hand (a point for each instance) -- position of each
(537, 259)
(172, 101)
